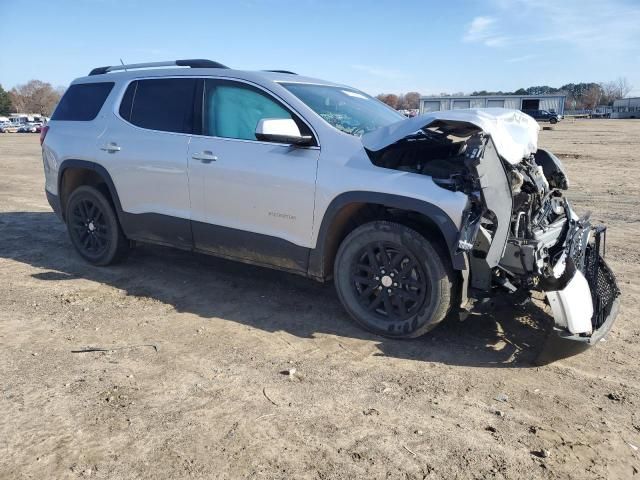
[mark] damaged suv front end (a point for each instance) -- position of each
(518, 233)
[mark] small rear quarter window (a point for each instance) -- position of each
(82, 101)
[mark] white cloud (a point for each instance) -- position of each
(590, 25)
(496, 41)
(483, 30)
(479, 27)
(522, 58)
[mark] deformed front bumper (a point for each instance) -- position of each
(586, 302)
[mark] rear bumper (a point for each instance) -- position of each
(54, 201)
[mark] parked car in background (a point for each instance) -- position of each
(544, 116)
(8, 127)
(28, 128)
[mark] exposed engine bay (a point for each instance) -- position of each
(519, 232)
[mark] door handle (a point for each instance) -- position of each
(205, 157)
(110, 147)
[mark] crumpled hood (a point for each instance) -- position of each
(514, 133)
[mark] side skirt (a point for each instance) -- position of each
(250, 247)
(247, 247)
(157, 228)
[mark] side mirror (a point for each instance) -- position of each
(281, 130)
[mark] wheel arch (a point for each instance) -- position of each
(351, 209)
(74, 173)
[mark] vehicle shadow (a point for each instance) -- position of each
(270, 300)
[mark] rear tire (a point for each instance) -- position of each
(93, 227)
(392, 280)
(553, 121)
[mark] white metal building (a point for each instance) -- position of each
(550, 103)
(626, 108)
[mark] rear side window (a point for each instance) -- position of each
(82, 102)
(164, 104)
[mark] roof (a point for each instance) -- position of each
(465, 97)
(626, 101)
(199, 67)
(256, 75)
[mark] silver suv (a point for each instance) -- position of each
(412, 218)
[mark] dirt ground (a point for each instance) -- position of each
(189, 384)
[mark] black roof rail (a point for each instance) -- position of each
(199, 63)
(282, 71)
(193, 63)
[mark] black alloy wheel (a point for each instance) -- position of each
(392, 280)
(93, 227)
(389, 280)
(90, 227)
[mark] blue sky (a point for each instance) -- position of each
(378, 46)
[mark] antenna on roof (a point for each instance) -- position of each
(125, 67)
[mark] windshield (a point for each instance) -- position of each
(348, 110)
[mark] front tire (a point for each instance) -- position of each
(392, 280)
(553, 121)
(93, 227)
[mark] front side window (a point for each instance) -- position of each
(165, 104)
(350, 111)
(233, 110)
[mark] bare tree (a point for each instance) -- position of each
(623, 87)
(35, 97)
(615, 90)
(412, 100)
(591, 97)
(390, 99)
(609, 92)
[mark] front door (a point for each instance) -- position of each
(250, 199)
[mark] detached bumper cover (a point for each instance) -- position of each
(586, 308)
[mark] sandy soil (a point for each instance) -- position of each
(190, 384)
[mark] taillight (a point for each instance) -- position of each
(43, 133)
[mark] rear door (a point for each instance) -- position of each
(145, 150)
(250, 199)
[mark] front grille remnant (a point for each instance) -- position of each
(602, 282)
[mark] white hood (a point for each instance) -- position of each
(514, 133)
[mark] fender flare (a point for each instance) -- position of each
(100, 170)
(448, 230)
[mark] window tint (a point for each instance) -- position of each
(233, 110)
(164, 104)
(82, 102)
